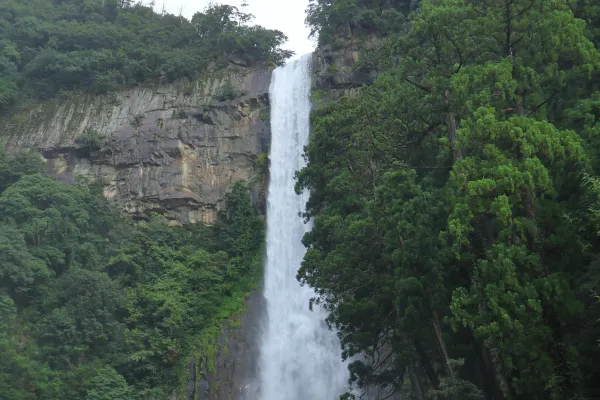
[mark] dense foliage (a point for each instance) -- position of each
(52, 47)
(94, 307)
(455, 201)
(331, 19)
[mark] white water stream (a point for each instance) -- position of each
(299, 357)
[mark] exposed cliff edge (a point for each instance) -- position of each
(174, 149)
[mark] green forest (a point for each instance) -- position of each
(54, 48)
(456, 200)
(95, 307)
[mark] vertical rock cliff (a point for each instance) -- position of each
(174, 148)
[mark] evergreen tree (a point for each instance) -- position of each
(452, 239)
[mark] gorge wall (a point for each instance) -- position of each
(173, 149)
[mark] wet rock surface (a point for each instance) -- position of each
(234, 367)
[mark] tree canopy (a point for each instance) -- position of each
(95, 307)
(455, 238)
(330, 19)
(50, 48)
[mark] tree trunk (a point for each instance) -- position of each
(451, 125)
(438, 334)
(430, 373)
(415, 382)
(508, 51)
(494, 387)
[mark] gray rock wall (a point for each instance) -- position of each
(173, 149)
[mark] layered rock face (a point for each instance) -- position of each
(174, 149)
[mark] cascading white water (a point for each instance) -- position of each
(299, 356)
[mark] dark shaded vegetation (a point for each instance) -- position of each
(331, 19)
(95, 307)
(52, 48)
(456, 200)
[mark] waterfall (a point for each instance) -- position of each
(300, 358)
